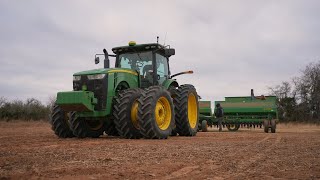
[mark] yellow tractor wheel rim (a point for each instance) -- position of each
(192, 110)
(134, 114)
(163, 113)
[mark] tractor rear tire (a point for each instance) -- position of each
(83, 128)
(186, 110)
(156, 113)
(266, 126)
(125, 113)
(172, 90)
(204, 126)
(60, 123)
(233, 127)
(273, 126)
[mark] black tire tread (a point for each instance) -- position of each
(120, 113)
(59, 124)
(147, 122)
(181, 110)
(81, 128)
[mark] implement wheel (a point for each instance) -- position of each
(233, 127)
(125, 112)
(266, 126)
(156, 113)
(86, 128)
(204, 126)
(60, 123)
(273, 126)
(187, 110)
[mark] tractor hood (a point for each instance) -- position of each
(105, 71)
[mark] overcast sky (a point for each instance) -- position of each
(232, 46)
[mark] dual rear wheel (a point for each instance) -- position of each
(156, 113)
(187, 110)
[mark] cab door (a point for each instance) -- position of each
(162, 68)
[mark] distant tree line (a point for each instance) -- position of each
(31, 109)
(299, 99)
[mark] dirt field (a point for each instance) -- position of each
(30, 150)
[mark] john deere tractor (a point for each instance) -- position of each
(137, 99)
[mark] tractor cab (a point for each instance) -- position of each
(151, 61)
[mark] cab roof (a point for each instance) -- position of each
(137, 48)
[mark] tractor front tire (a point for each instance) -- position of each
(60, 123)
(83, 128)
(125, 113)
(186, 110)
(156, 113)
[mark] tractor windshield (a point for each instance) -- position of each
(142, 62)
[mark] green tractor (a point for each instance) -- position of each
(137, 99)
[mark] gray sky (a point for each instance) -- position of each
(232, 46)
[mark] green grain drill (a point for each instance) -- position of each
(137, 98)
(245, 111)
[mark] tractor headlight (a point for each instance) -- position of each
(96, 76)
(76, 78)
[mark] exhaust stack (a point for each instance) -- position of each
(252, 95)
(106, 59)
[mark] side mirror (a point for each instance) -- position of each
(169, 52)
(96, 60)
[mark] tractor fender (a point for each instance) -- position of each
(170, 83)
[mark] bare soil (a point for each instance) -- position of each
(30, 150)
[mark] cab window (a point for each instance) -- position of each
(141, 62)
(162, 68)
(136, 61)
(125, 63)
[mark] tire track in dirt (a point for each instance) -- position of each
(246, 148)
(244, 166)
(238, 152)
(181, 172)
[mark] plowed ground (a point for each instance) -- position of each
(30, 150)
